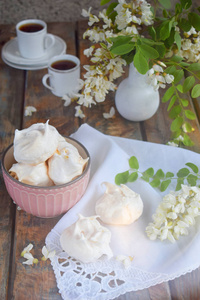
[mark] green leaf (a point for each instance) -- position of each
(184, 24)
(178, 75)
(112, 16)
(170, 69)
(180, 181)
(133, 177)
(183, 172)
(165, 3)
(192, 179)
(155, 182)
(178, 9)
(103, 2)
(149, 172)
(188, 127)
(152, 32)
(169, 174)
(192, 166)
(184, 102)
(141, 63)
(188, 83)
(194, 20)
(159, 174)
(177, 38)
(187, 140)
(111, 8)
(165, 30)
(122, 49)
(172, 101)
(180, 88)
(190, 115)
(129, 57)
(194, 67)
(164, 185)
(145, 178)
(186, 3)
(148, 51)
(175, 111)
(196, 91)
(176, 124)
(168, 94)
(176, 58)
(133, 163)
(161, 50)
(122, 178)
(121, 39)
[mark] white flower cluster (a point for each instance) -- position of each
(105, 68)
(190, 46)
(99, 78)
(157, 77)
(175, 214)
(132, 14)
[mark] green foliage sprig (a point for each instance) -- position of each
(159, 179)
(153, 44)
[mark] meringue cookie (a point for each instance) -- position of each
(30, 174)
(66, 164)
(36, 144)
(86, 240)
(119, 205)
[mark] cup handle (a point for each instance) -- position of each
(49, 41)
(44, 81)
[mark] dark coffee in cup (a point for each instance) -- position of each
(31, 27)
(63, 65)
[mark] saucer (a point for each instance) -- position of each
(11, 56)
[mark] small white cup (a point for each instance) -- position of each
(64, 81)
(33, 39)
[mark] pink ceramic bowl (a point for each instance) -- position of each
(46, 202)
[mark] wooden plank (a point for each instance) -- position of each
(11, 102)
(186, 287)
(38, 281)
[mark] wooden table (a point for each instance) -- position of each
(19, 88)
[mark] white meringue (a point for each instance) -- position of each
(66, 164)
(36, 144)
(119, 205)
(34, 175)
(86, 240)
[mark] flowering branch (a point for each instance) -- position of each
(161, 42)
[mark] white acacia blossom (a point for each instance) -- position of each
(157, 77)
(47, 254)
(190, 46)
(175, 214)
(27, 249)
(29, 110)
(79, 113)
(126, 260)
(110, 114)
(30, 260)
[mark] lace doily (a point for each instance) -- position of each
(101, 280)
(154, 262)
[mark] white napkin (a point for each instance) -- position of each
(154, 261)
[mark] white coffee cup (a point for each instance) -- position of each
(63, 80)
(33, 39)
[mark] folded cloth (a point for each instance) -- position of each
(153, 261)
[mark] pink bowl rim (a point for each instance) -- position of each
(53, 187)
